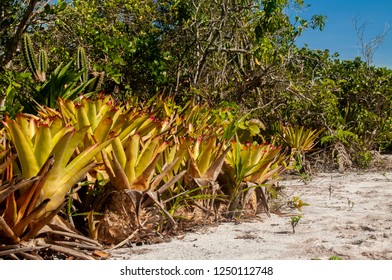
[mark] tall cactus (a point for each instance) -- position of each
(42, 65)
(97, 82)
(38, 69)
(82, 64)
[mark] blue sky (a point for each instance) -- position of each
(339, 34)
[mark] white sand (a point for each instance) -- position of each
(353, 221)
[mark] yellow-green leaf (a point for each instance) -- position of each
(24, 148)
(43, 144)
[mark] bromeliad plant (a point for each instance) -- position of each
(145, 167)
(104, 117)
(47, 149)
(300, 141)
(205, 161)
(132, 165)
(137, 179)
(249, 167)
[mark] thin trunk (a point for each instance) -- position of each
(14, 42)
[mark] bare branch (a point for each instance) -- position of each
(369, 48)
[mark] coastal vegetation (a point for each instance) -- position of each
(128, 120)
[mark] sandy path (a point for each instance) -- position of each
(350, 215)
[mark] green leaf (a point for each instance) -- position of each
(24, 148)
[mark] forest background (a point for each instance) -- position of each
(237, 54)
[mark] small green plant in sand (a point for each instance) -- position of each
(294, 220)
(305, 177)
(298, 203)
(335, 258)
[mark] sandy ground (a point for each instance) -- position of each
(350, 215)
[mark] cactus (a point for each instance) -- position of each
(38, 69)
(82, 64)
(43, 65)
(97, 83)
(29, 54)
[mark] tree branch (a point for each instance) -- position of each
(14, 42)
